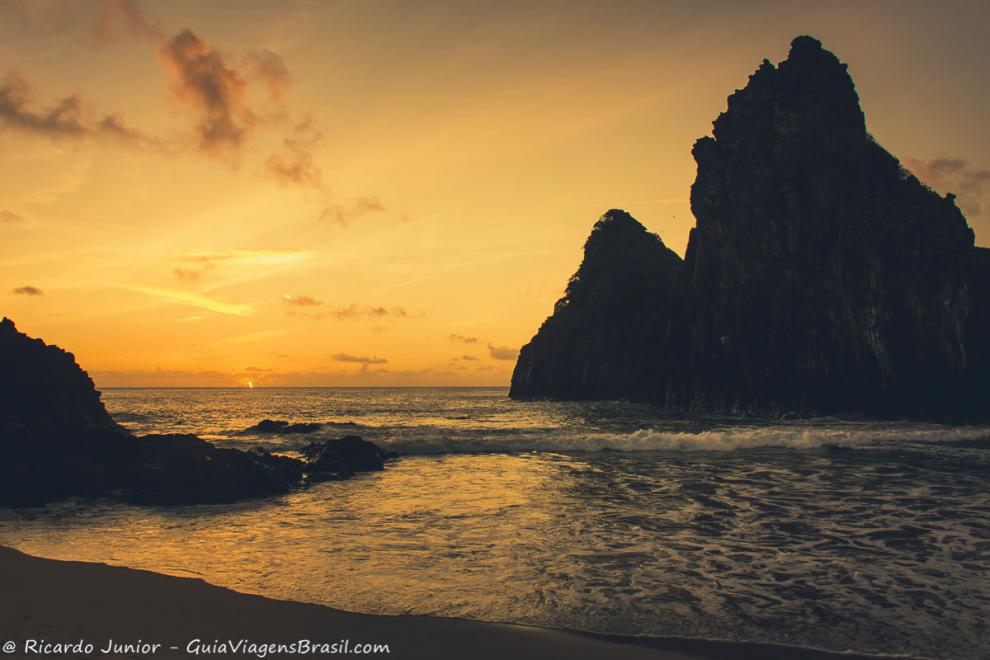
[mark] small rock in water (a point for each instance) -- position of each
(280, 426)
(349, 453)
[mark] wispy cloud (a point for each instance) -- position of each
(300, 300)
(68, 117)
(191, 266)
(186, 274)
(293, 164)
(116, 14)
(954, 175)
(9, 217)
(191, 299)
(355, 311)
(343, 213)
(28, 291)
(461, 339)
(502, 352)
(269, 68)
(215, 86)
(255, 257)
(358, 359)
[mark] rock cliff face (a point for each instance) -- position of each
(821, 276)
(57, 441)
(602, 340)
(43, 390)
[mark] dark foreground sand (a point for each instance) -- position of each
(56, 601)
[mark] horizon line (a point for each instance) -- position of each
(302, 387)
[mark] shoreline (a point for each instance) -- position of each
(69, 601)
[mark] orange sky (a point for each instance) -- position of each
(394, 193)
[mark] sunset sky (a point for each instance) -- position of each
(394, 193)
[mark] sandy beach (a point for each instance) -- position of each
(48, 602)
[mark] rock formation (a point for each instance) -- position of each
(57, 441)
(604, 338)
(821, 277)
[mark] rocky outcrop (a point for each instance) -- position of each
(278, 426)
(184, 469)
(339, 458)
(57, 441)
(821, 277)
(43, 390)
(602, 340)
(56, 438)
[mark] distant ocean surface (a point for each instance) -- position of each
(863, 536)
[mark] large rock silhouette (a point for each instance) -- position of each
(821, 277)
(57, 441)
(601, 342)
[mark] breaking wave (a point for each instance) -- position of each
(644, 440)
(427, 440)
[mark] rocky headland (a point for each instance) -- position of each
(58, 441)
(822, 277)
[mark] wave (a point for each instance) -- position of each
(432, 439)
(726, 439)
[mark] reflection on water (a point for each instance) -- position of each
(885, 547)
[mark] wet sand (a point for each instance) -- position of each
(67, 602)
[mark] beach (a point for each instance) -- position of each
(59, 602)
(604, 517)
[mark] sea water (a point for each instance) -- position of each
(607, 516)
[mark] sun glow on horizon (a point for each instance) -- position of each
(335, 204)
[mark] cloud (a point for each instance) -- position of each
(9, 217)
(954, 175)
(355, 311)
(204, 81)
(29, 291)
(502, 352)
(217, 87)
(294, 163)
(342, 213)
(469, 358)
(194, 264)
(187, 275)
(62, 119)
(301, 301)
(461, 339)
(114, 14)
(268, 67)
(66, 118)
(253, 257)
(191, 299)
(344, 357)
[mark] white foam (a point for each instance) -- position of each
(792, 436)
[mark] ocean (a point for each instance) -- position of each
(602, 516)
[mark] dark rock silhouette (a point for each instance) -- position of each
(821, 277)
(184, 469)
(56, 438)
(280, 426)
(601, 342)
(341, 457)
(57, 441)
(44, 390)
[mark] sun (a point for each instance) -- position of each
(250, 385)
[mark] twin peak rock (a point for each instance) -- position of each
(821, 277)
